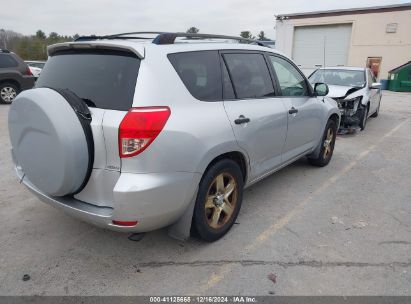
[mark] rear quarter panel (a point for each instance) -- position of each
(196, 131)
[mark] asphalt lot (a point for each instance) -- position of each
(340, 230)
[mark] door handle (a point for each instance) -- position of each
(241, 120)
(293, 111)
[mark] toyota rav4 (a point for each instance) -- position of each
(135, 134)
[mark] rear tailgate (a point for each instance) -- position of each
(105, 79)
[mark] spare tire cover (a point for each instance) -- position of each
(49, 142)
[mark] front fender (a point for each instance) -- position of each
(331, 108)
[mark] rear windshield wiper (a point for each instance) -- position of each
(89, 102)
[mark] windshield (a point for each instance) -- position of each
(349, 78)
(106, 79)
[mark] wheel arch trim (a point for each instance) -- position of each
(12, 81)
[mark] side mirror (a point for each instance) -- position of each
(376, 85)
(321, 89)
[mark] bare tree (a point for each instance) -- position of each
(3, 39)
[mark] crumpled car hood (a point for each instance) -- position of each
(336, 91)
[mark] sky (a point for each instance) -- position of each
(101, 17)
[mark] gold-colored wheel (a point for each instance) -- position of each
(328, 142)
(221, 200)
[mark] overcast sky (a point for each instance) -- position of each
(210, 16)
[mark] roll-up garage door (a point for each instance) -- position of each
(322, 45)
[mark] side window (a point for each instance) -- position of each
(249, 74)
(6, 61)
(228, 91)
(290, 80)
(200, 73)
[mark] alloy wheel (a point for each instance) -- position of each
(328, 142)
(8, 94)
(221, 200)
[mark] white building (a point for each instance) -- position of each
(377, 37)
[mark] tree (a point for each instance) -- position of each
(261, 36)
(9, 39)
(30, 47)
(192, 30)
(23, 48)
(3, 39)
(53, 36)
(247, 35)
(75, 36)
(40, 35)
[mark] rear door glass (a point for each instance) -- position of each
(200, 73)
(250, 75)
(228, 91)
(104, 79)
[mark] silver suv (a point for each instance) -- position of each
(135, 134)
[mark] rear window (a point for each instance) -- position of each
(7, 61)
(200, 73)
(104, 79)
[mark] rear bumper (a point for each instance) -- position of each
(154, 200)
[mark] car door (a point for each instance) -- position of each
(373, 93)
(258, 117)
(305, 120)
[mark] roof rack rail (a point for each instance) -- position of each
(124, 35)
(4, 51)
(120, 36)
(169, 38)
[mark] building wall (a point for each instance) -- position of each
(368, 37)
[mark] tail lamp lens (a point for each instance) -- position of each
(28, 72)
(139, 128)
(125, 223)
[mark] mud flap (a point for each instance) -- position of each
(180, 230)
(317, 150)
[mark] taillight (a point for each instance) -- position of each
(28, 72)
(125, 223)
(139, 128)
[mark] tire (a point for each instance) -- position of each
(364, 116)
(377, 111)
(214, 215)
(8, 92)
(327, 145)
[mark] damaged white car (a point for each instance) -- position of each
(356, 91)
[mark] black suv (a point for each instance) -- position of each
(15, 76)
